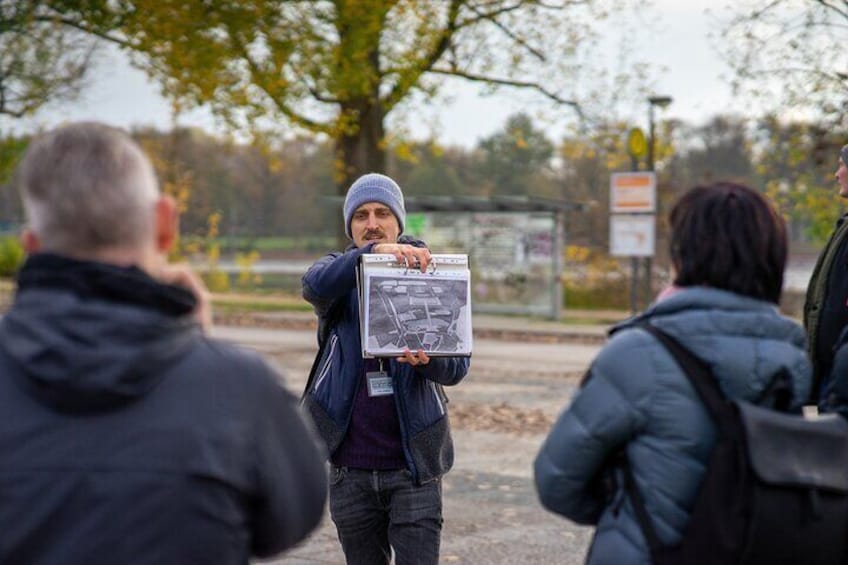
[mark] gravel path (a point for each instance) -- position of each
(500, 415)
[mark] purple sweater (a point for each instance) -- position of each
(373, 439)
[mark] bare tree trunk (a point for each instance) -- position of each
(361, 151)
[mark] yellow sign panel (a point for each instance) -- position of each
(637, 145)
(633, 192)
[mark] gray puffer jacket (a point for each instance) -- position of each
(637, 398)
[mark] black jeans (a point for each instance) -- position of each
(376, 512)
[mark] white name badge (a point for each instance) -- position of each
(379, 383)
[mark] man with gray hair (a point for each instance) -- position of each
(126, 435)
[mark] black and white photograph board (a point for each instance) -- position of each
(402, 308)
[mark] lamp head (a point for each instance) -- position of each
(661, 101)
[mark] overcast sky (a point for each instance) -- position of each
(676, 43)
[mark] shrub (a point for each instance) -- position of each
(594, 280)
(216, 280)
(608, 295)
(246, 277)
(11, 256)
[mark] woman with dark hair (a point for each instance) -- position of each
(728, 252)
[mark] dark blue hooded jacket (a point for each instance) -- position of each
(126, 436)
(330, 286)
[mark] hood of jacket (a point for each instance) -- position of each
(85, 336)
(735, 335)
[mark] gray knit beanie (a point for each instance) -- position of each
(843, 154)
(374, 187)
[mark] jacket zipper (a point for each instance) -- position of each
(403, 428)
(334, 338)
(438, 398)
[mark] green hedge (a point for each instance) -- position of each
(11, 256)
(605, 295)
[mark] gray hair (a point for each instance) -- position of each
(87, 187)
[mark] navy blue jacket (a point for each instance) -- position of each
(428, 449)
(126, 436)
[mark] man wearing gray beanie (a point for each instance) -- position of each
(384, 421)
(826, 304)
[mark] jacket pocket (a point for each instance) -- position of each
(432, 450)
(329, 431)
(337, 474)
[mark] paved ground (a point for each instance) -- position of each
(500, 415)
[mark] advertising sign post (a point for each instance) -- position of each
(633, 220)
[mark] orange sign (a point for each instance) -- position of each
(633, 192)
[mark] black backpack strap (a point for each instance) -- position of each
(642, 516)
(698, 373)
(778, 394)
(324, 326)
(704, 383)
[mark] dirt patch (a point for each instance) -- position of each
(502, 418)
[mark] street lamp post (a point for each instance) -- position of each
(662, 102)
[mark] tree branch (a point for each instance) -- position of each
(258, 79)
(756, 14)
(481, 15)
(484, 16)
(513, 83)
(68, 22)
(492, 18)
(313, 91)
(425, 63)
(828, 6)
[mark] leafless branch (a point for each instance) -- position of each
(513, 83)
(426, 62)
(510, 34)
(480, 16)
(259, 79)
(765, 9)
(69, 22)
(829, 6)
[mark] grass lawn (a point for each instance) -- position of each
(263, 300)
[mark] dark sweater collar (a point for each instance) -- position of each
(91, 279)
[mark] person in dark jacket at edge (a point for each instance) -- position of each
(126, 435)
(826, 310)
(388, 447)
(826, 303)
(728, 251)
